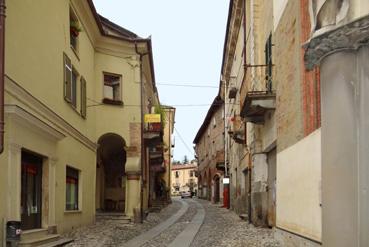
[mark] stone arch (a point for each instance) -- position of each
(110, 173)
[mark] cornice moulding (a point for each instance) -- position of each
(55, 121)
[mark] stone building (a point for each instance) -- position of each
(274, 109)
(183, 177)
(290, 67)
(209, 149)
(75, 142)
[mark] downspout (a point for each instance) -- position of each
(2, 62)
(143, 151)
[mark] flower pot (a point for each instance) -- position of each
(74, 32)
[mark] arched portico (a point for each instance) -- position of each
(110, 173)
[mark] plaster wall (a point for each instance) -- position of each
(299, 188)
(279, 7)
(345, 172)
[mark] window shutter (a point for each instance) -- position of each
(74, 88)
(83, 98)
(67, 79)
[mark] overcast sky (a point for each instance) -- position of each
(188, 39)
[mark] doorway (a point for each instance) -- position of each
(272, 178)
(216, 189)
(31, 191)
(110, 177)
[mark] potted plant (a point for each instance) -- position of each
(75, 28)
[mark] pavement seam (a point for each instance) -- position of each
(155, 231)
(185, 238)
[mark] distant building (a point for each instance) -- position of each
(184, 178)
(209, 147)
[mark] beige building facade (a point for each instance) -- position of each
(75, 142)
(184, 178)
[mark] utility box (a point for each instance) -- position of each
(13, 231)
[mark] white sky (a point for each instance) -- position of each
(188, 39)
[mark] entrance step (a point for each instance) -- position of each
(60, 242)
(34, 233)
(244, 217)
(39, 241)
(41, 238)
(117, 217)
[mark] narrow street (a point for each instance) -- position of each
(185, 222)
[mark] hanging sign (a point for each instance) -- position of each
(152, 118)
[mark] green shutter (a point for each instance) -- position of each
(83, 98)
(67, 79)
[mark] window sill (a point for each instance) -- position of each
(73, 211)
(112, 102)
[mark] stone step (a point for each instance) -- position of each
(34, 233)
(37, 241)
(59, 242)
(122, 218)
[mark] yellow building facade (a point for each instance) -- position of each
(74, 86)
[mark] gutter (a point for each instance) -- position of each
(2, 62)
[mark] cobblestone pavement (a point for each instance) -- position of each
(112, 233)
(223, 227)
(166, 237)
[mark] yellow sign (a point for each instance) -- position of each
(152, 118)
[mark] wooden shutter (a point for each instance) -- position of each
(67, 79)
(83, 98)
(75, 76)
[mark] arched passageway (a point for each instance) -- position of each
(110, 173)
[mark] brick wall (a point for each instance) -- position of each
(287, 54)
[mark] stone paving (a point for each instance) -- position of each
(221, 227)
(111, 233)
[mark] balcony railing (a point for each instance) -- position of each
(257, 94)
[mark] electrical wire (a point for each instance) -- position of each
(183, 141)
(186, 85)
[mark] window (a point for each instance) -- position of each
(83, 98)
(74, 30)
(70, 82)
(67, 79)
(74, 85)
(177, 174)
(72, 184)
(112, 89)
(191, 173)
(269, 63)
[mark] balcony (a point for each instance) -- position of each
(236, 130)
(257, 95)
(156, 160)
(153, 134)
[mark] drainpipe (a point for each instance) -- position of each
(143, 151)
(2, 62)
